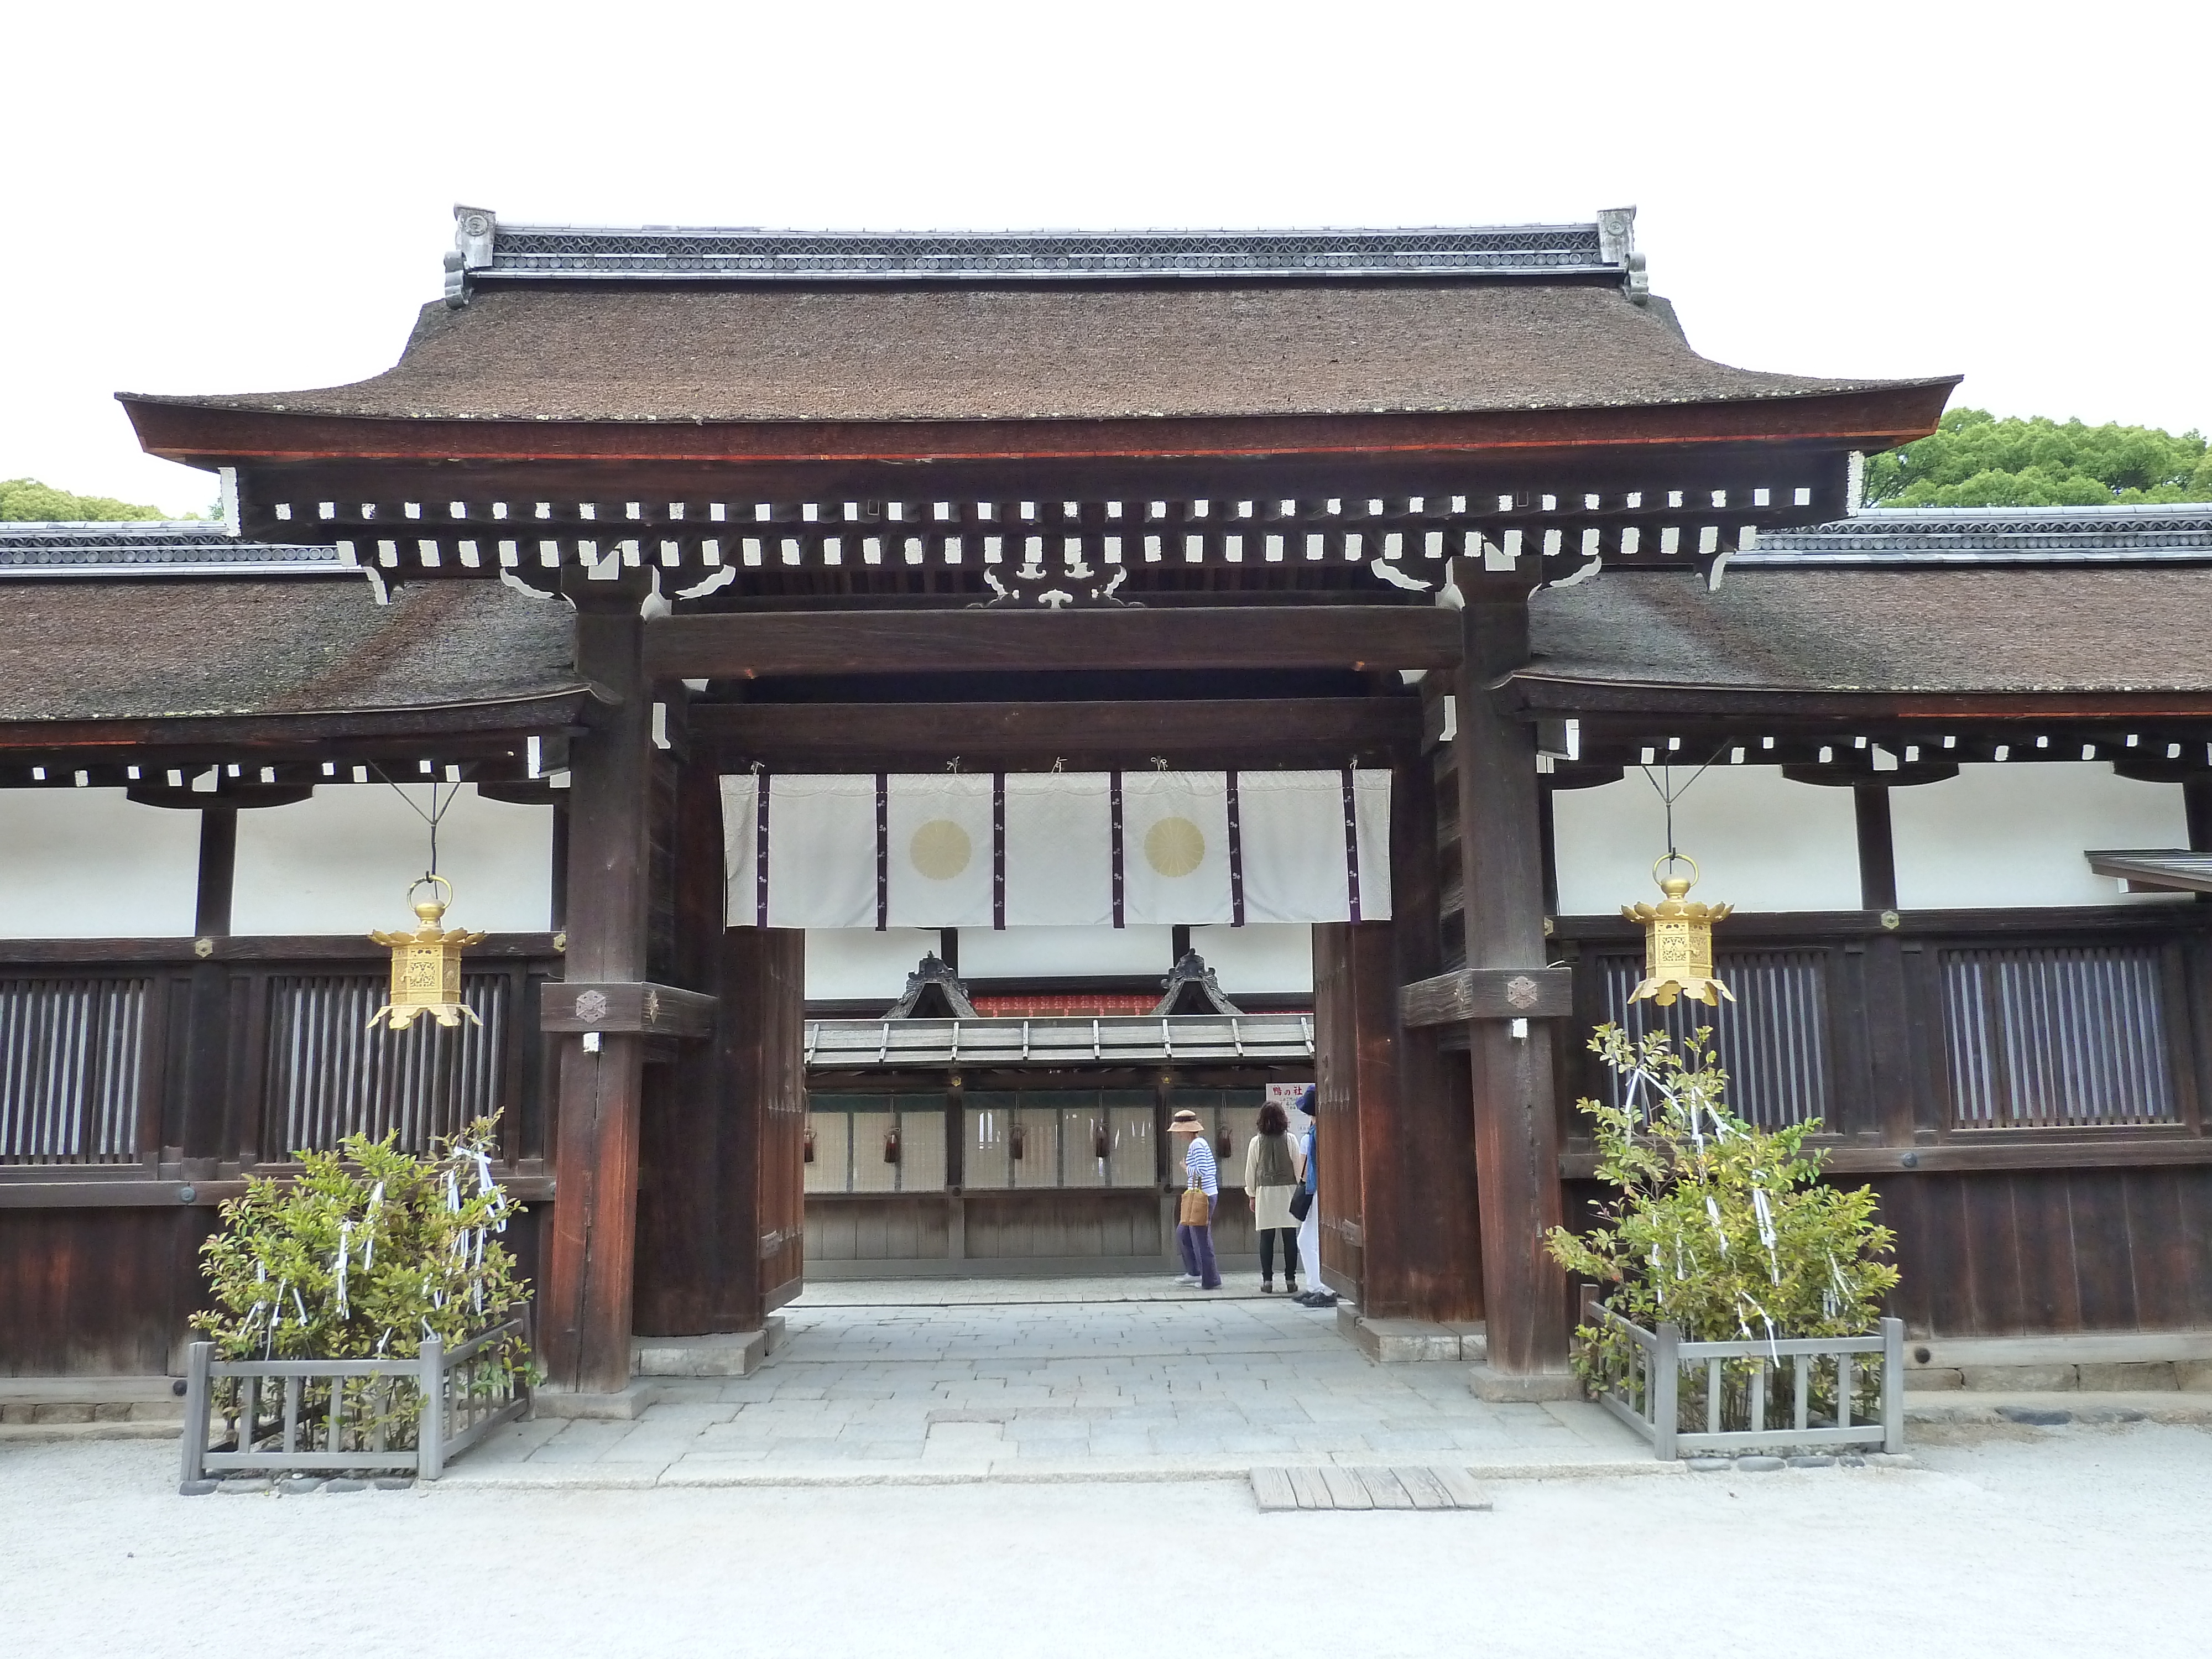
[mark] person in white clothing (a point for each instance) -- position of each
(1309, 1182)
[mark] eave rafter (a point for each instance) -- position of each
(220, 760)
(1884, 738)
(1669, 486)
(455, 535)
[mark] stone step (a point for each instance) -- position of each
(1331, 1486)
(1411, 1342)
(732, 1354)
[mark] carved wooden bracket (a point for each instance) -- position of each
(642, 1009)
(1488, 993)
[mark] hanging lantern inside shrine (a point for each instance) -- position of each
(426, 964)
(1678, 941)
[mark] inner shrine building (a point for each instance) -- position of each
(915, 710)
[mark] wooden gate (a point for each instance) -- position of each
(721, 1223)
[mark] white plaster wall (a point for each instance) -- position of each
(93, 864)
(340, 862)
(845, 965)
(1265, 958)
(1762, 842)
(2008, 834)
(1065, 952)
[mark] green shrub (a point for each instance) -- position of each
(1722, 1228)
(366, 1254)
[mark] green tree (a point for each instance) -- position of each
(26, 500)
(1974, 459)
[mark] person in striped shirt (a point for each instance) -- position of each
(1200, 1174)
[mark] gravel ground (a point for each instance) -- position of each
(2079, 1543)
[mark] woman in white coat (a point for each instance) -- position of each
(1271, 1176)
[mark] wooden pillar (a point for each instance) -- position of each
(1877, 846)
(585, 1305)
(218, 871)
(1501, 877)
(1423, 1256)
(208, 1132)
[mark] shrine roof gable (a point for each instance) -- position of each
(559, 324)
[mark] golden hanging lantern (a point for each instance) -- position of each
(426, 964)
(1678, 941)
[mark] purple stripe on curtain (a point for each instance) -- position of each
(760, 855)
(1351, 844)
(1235, 857)
(883, 851)
(999, 851)
(1113, 808)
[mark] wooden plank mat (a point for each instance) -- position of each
(1329, 1486)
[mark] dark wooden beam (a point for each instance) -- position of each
(643, 1008)
(1489, 993)
(2165, 1149)
(2053, 924)
(339, 949)
(1766, 709)
(37, 1188)
(748, 646)
(351, 734)
(868, 737)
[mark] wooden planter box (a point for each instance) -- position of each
(464, 1398)
(1647, 1392)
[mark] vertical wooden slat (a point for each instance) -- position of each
(73, 1070)
(1772, 1040)
(325, 1075)
(2059, 1036)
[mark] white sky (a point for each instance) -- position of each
(237, 197)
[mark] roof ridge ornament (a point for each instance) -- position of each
(1616, 246)
(484, 250)
(475, 231)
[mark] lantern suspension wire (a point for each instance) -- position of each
(1668, 794)
(437, 810)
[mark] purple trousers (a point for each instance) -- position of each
(1196, 1244)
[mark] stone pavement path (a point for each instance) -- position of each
(895, 1390)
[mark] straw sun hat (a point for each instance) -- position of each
(1186, 1123)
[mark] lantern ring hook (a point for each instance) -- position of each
(1671, 859)
(429, 880)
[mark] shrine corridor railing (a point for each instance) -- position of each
(123, 1058)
